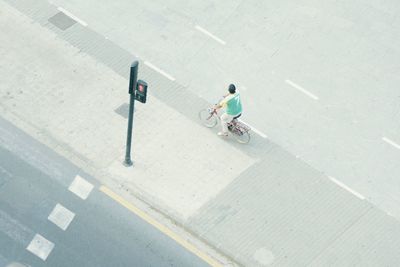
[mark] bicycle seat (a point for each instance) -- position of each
(237, 116)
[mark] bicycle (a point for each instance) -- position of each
(209, 118)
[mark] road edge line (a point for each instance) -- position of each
(345, 187)
(72, 16)
(162, 228)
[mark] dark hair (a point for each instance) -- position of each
(232, 89)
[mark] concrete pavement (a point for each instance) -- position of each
(258, 204)
(344, 54)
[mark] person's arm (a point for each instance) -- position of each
(218, 106)
(221, 104)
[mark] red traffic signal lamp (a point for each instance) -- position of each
(141, 91)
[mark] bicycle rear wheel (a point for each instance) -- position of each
(207, 119)
(242, 136)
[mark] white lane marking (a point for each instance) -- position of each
(80, 187)
(301, 89)
(72, 16)
(210, 35)
(342, 185)
(148, 64)
(387, 140)
(40, 246)
(61, 216)
(255, 130)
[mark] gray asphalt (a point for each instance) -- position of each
(103, 233)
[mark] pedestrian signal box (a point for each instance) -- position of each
(141, 91)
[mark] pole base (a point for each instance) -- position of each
(128, 162)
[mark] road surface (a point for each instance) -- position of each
(44, 221)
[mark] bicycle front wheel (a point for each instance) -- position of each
(207, 119)
(242, 137)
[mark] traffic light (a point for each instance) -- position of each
(141, 91)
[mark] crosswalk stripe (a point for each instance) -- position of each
(80, 187)
(61, 216)
(40, 247)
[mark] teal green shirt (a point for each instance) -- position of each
(232, 104)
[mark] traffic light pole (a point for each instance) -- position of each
(132, 85)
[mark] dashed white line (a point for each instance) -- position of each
(72, 16)
(387, 140)
(40, 247)
(255, 130)
(80, 187)
(148, 64)
(301, 89)
(342, 185)
(390, 214)
(210, 35)
(61, 216)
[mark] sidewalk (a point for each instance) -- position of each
(256, 203)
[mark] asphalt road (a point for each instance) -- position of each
(34, 180)
(318, 78)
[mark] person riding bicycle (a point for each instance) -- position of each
(233, 106)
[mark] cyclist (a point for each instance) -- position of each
(233, 106)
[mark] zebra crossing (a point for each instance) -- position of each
(36, 242)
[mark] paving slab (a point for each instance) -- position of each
(367, 243)
(281, 207)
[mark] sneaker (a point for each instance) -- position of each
(222, 134)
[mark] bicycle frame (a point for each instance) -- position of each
(239, 130)
(233, 126)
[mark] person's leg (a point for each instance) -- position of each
(225, 119)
